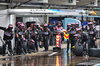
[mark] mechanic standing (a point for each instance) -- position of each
(50, 26)
(46, 33)
(71, 34)
(40, 36)
(92, 34)
(16, 39)
(31, 47)
(59, 28)
(68, 40)
(21, 39)
(8, 36)
(35, 36)
(77, 25)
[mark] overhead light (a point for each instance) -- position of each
(42, 13)
(77, 1)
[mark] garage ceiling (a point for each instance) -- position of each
(84, 2)
(31, 1)
(53, 4)
(61, 2)
(58, 2)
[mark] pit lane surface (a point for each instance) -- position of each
(49, 58)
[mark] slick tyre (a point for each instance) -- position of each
(24, 46)
(32, 47)
(78, 49)
(94, 52)
(56, 49)
(1, 50)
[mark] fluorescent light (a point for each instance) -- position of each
(77, 1)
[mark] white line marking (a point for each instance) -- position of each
(52, 53)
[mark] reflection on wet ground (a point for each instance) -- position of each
(55, 59)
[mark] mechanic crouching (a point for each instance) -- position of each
(83, 39)
(8, 36)
(81, 35)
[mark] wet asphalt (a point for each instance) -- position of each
(49, 58)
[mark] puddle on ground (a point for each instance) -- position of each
(60, 59)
